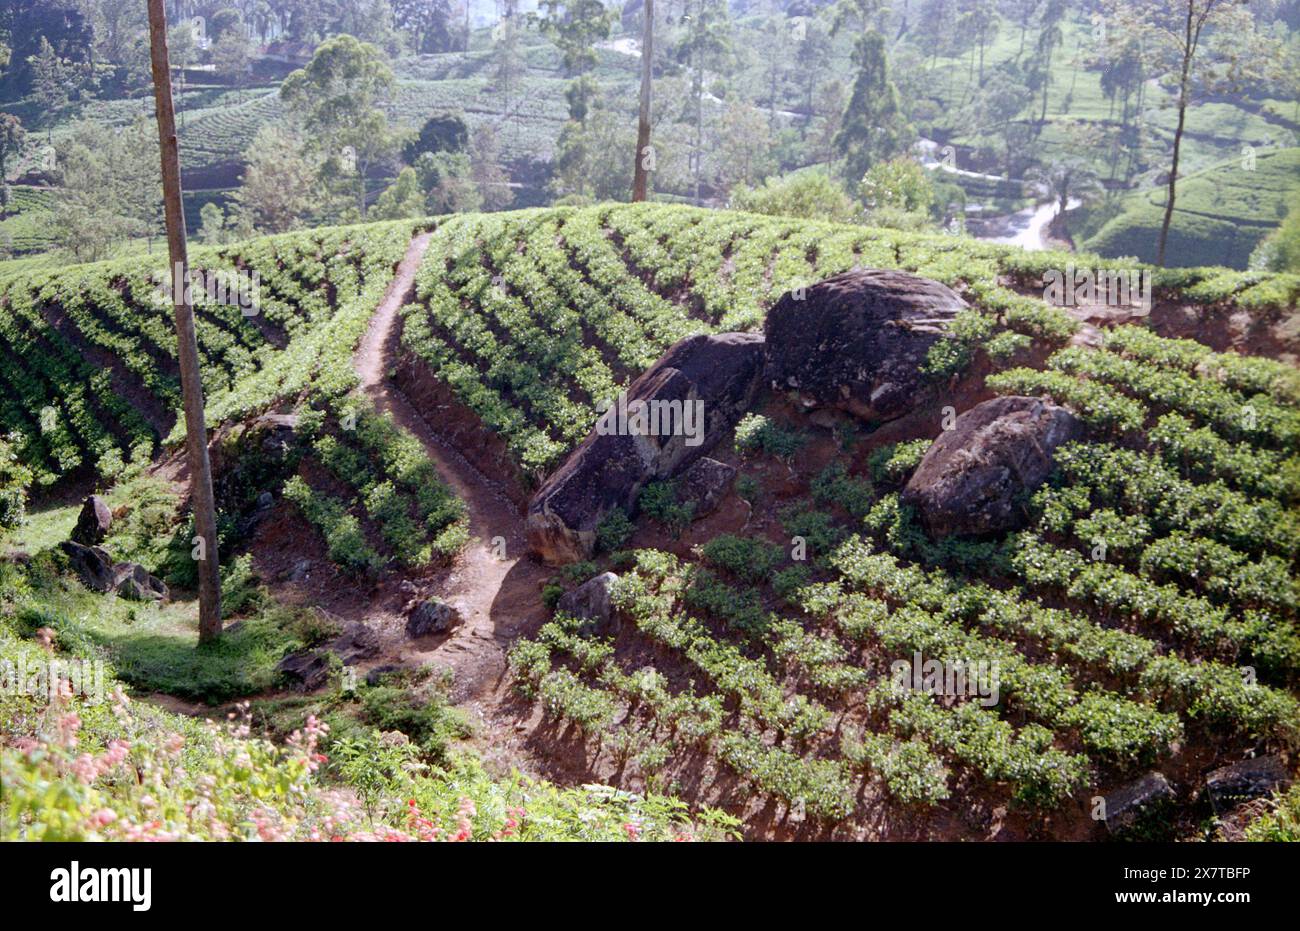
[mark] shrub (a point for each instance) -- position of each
(659, 502)
(15, 479)
(756, 432)
(744, 557)
(613, 530)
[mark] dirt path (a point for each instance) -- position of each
(499, 598)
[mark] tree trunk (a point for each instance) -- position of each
(1189, 48)
(196, 434)
(641, 176)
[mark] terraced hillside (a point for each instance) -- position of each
(759, 680)
(91, 378)
(531, 317)
(1145, 618)
(1220, 215)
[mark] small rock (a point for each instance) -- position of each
(1126, 805)
(431, 617)
(279, 433)
(356, 642)
(307, 669)
(134, 583)
(265, 500)
(300, 571)
(705, 484)
(92, 564)
(94, 522)
(590, 601)
(1248, 779)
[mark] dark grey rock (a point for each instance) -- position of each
(591, 602)
(857, 341)
(1128, 804)
(92, 564)
(376, 675)
(1239, 782)
(357, 642)
(431, 617)
(278, 433)
(94, 522)
(308, 670)
(973, 479)
(611, 466)
(134, 583)
(705, 484)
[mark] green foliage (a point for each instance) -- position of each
(833, 486)
(15, 479)
(895, 462)
(658, 501)
(1220, 216)
(614, 529)
(744, 557)
(428, 721)
(808, 195)
(756, 433)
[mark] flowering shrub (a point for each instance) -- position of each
(74, 771)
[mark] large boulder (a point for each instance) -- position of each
(92, 564)
(699, 389)
(357, 642)
(972, 480)
(93, 523)
(308, 670)
(1247, 779)
(591, 601)
(857, 341)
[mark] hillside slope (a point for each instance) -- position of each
(744, 676)
(1220, 214)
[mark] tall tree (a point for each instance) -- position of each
(705, 44)
(873, 126)
(507, 61)
(644, 158)
(12, 136)
(490, 178)
(428, 22)
(339, 96)
(1070, 177)
(278, 188)
(1177, 33)
(49, 72)
(1050, 36)
(196, 434)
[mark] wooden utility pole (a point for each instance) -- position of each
(641, 178)
(187, 344)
